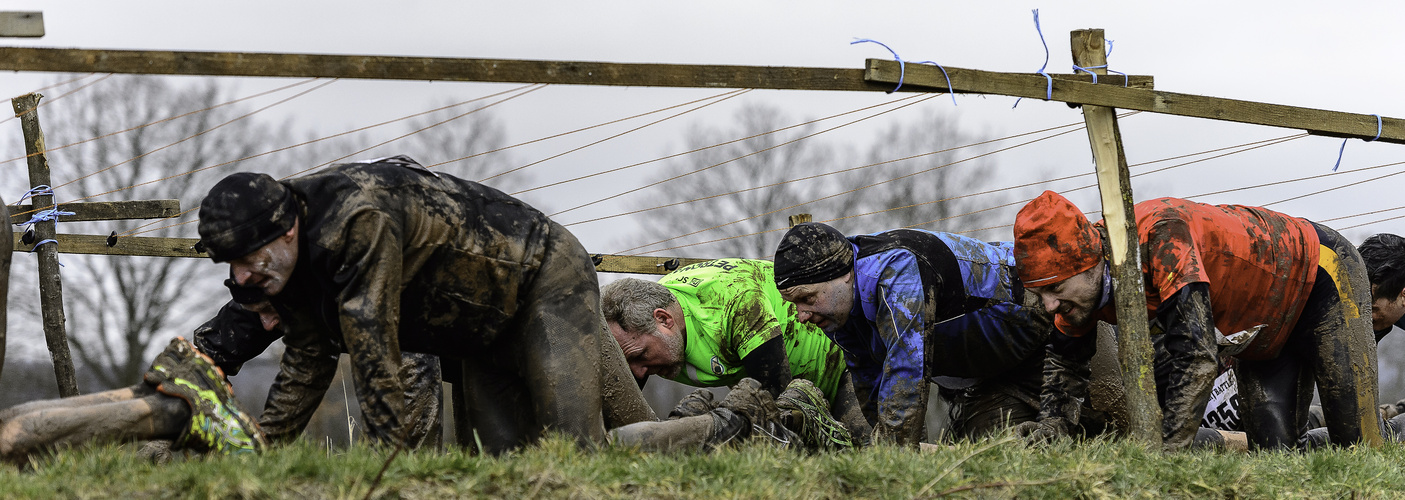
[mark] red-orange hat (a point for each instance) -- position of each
(1054, 241)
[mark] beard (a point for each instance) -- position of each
(674, 344)
(1079, 316)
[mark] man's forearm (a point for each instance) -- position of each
(302, 380)
(1190, 363)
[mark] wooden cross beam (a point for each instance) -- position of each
(21, 24)
(157, 62)
(1113, 95)
(140, 246)
(103, 210)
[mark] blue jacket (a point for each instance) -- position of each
(930, 305)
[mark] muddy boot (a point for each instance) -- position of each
(217, 423)
(1216, 439)
(805, 411)
(696, 403)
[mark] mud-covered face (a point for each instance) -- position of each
(268, 316)
(1075, 298)
(270, 266)
(654, 353)
(825, 305)
(1385, 311)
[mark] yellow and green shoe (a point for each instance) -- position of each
(217, 422)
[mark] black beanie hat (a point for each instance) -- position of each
(812, 253)
(242, 213)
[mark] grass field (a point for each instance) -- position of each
(997, 468)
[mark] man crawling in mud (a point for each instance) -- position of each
(384, 256)
(713, 323)
(908, 306)
(1289, 299)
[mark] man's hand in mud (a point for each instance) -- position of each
(1041, 431)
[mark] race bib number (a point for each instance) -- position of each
(1222, 412)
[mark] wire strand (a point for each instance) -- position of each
(753, 153)
(729, 95)
(422, 129)
(733, 141)
(110, 134)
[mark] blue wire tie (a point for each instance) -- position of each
(1088, 70)
(45, 215)
(1343, 148)
(36, 247)
(902, 67)
(40, 190)
(949, 90)
(1049, 92)
(1095, 75)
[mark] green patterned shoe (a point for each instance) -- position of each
(805, 411)
(217, 422)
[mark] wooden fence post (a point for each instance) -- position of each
(1133, 336)
(6, 244)
(50, 284)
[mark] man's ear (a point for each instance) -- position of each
(664, 317)
(292, 233)
(1402, 296)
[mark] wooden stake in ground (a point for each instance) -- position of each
(1133, 336)
(5, 251)
(50, 285)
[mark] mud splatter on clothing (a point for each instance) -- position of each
(1248, 255)
(731, 307)
(393, 257)
(931, 305)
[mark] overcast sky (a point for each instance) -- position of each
(1341, 57)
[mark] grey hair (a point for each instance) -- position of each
(630, 302)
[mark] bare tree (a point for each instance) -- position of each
(904, 174)
(762, 160)
(119, 307)
(916, 167)
(463, 141)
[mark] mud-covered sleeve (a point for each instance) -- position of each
(988, 341)
(368, 274)
(1066, 376)
(768, 365)
(864, 373)
(753, 331)
(902, 386)
(303, 376)
(1173, 259)
(233, 337)
(1190, 361)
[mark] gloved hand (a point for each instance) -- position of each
(1390, 410)
(696, 403)
(1042, 431)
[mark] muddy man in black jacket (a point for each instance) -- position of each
(385, 256)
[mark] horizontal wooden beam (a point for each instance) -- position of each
(635, 264)
(140, 246)
(105, 210)
(155, 62)
(1313, 121)
(22, 24)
